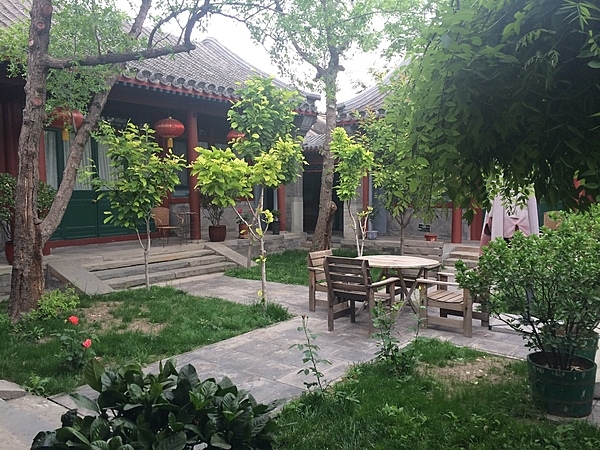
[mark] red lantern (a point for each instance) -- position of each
(169, 128)
(64, 119)
(235, 135)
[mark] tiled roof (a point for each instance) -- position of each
(371, 99)
(315, 138)
(12, 11)
(210, 70)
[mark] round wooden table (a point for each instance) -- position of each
(393, 265)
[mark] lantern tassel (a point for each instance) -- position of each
(65, 134)
(170, 143)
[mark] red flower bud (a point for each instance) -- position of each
(74, 320)
(87, 343)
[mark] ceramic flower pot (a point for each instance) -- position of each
(242, 231)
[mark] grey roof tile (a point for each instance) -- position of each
(210, 69)
(12, 11)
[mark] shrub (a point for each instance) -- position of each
(169, 410)
(58, 301)
(549, 282)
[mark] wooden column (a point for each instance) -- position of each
(12, 129)
(456, 236)
(192, 143)
(477, 225)
(281, 206)
(42, 159)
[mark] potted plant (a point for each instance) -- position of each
(243, 219)
(8, 185)
(547, 288)
(214, 213)
(276, 225)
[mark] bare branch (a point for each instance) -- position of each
(138, 23)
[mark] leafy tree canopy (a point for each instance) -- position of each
(508, 87)
(264, 113)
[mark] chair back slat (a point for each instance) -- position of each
(316, 259)
(347, 276)
(349, 281)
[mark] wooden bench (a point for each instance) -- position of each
(453, 302)
(316, 278)
(349, 281)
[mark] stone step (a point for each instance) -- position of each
(168, 275)
(466, 248)
(159, 266)
(462, 254)
(117, 262)
(449, 263)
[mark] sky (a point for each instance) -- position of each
(236, 37)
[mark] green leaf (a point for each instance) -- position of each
(176, 441)
(218, 441)
(92, 374)
(99, 429)
(594, 64)
(84, 402)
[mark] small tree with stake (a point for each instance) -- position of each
(142, 178)
(224, 177)
(265, 114)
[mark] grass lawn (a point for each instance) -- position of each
(287, 267)
(457, 398)
(134, 326)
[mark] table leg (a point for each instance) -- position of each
(409, 293)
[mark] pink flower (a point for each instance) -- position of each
(240, 210)
(87, 343)
(74, 320)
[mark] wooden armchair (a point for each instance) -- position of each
(316, 277)
(162, 222)
(348, 281)
(454, 302)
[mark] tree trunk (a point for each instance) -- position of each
(30, 234)
(27, 282)
(320, 237)
(329, 225)
(146, 252)
(263, 252)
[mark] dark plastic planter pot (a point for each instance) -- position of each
(275, 227)
(218, 233)
(565, 393)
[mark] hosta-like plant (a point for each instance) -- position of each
(171, 410)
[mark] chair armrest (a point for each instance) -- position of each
(436, 282)
(316, 269)
(384, 282)
(445, 274)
